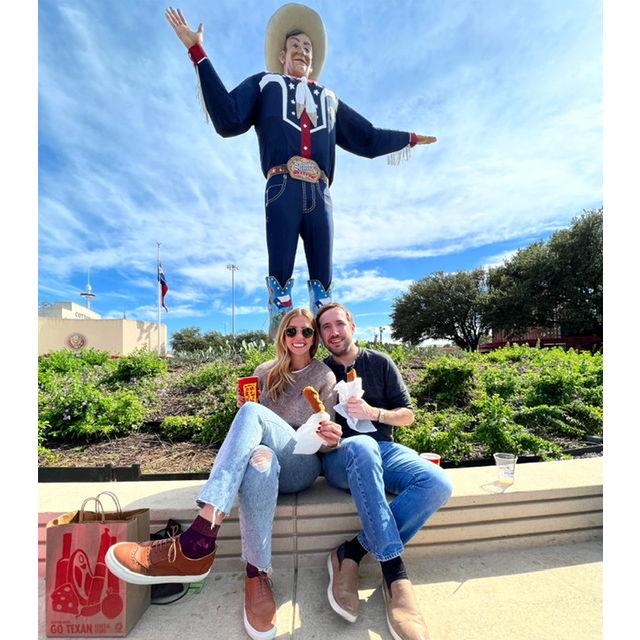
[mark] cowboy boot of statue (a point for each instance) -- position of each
(279, 303)
(317, 295)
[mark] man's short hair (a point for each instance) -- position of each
(333, 305)
(293, 32)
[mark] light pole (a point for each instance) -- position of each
(381, 329)
(233, 268)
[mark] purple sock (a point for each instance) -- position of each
(199, 539)
(252, 572)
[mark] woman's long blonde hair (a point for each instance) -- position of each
(279, 377)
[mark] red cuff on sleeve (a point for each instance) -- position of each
(197, 53)
(413, 140)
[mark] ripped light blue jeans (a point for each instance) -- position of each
(257, 480)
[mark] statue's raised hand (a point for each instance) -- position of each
(182, 29)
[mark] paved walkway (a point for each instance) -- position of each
(539, 593)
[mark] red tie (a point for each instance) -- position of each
(305, 135)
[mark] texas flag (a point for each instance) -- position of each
(164, 287)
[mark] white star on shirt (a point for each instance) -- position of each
(291, 85)
(316, 92)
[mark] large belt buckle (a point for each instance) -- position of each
(304, 169)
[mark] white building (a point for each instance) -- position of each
(67, 325)
(66, 309)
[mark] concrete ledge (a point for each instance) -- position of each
(549, 503)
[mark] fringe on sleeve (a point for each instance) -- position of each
(397, 157)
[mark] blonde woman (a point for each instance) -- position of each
(256, 462)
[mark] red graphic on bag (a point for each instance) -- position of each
(81, 590)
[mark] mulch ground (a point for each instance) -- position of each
(153, 454)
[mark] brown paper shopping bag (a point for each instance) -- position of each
(83, 598)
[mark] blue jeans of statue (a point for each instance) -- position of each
(256, 429)
(294, 209)
(368, 468)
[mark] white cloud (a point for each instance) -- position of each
(355, 286)
(499, 259)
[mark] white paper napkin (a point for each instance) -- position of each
(348, 390)
(307, 440)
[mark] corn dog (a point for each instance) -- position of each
(352, 375)
(313, 398)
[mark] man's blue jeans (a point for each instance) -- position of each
(257, 430)
(368, 468)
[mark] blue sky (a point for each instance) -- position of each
(513, 91)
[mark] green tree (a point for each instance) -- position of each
(442, 305)
(519, 291)
(558, 282)
(576, 284)
(188, 339)
(253, 336)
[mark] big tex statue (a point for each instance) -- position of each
(298, 123)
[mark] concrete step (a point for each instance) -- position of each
(550, 502)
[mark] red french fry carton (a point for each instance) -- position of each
(249, 388)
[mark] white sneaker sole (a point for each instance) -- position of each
(136, 578)
(349, 617)
(253, 633)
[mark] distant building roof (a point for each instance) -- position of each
(67, 309)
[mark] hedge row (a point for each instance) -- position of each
(519, 399)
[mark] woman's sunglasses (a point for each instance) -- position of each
(306, 332)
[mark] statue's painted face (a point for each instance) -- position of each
(297, 56)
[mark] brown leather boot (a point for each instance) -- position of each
(343, 586)
(403, 615)
(156, 562)
(259, 607)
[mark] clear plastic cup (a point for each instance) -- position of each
(506, 463)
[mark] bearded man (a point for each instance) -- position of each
(370, 465)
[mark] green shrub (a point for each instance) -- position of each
(443, 432)
(546, 420)
(218, 374)
(78, 408)
(182, 427)
(554, 386)
(584, 416)
(45, 455)
(494, 425)
(503, 382)
(447, 382)
(117, 413)
(216, 426)
(67, 406)
(137, 365)
(254, 357)
(68, 361)
(498, 432)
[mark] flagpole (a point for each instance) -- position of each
(159, 294)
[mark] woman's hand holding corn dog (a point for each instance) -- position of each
(329, 432)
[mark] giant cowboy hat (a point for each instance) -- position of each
(287, 18)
